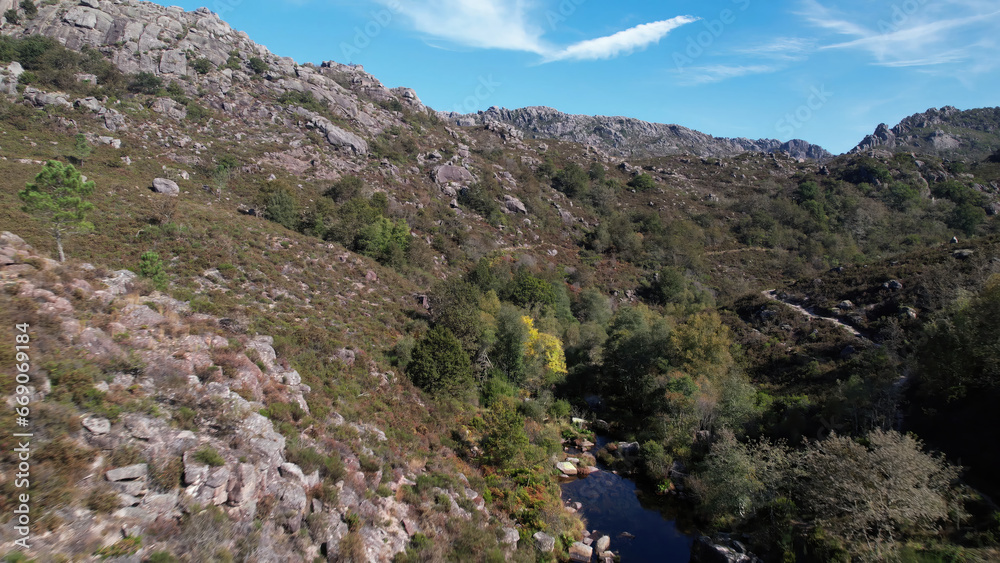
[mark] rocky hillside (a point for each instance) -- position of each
(316, 320)
(628, 137)
(947, 132)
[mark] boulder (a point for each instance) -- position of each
(451, 173)
(566, 468)
(580, 552)
(510, 537)
(544, 542)
(602, 545)
(166, 187)
(513, 205)
(173, 61)
(97, 425)
(128, 473)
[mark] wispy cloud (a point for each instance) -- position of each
(514, 25)
(484, 24)
(623, 42)
(929, 35)
(789, 49)
(709, 74)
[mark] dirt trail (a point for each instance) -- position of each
(772, 294)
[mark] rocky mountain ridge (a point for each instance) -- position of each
(628, 137)
(944, 132)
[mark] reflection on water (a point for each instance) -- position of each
(613, 506)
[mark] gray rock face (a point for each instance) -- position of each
(451, 173)
(97, 425)
(624, 136)
(544, 542)
(513, 205)
(166, 187)
(127, 473)
(940, 132)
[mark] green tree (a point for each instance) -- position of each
(642, 183)
(455, 305)
(505, 437)
(151, 267)
(81, 149)
(961, 353)
(528, 290)
(145, 83)
(258, 65)
(440, 366)
(57, 197)
(572, 180)
(385, 240)
(870, 495)
(508, 350)
(29, 8)
(281, 209)
(202, 66)
(737, 479)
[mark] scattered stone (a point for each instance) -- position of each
(510, 537)
(544, 542)
(166, 187)
(128, 473)
(580, 552)
(566, 468)
(97, 425)
(602, 545)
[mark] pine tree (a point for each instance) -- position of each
(57, 196)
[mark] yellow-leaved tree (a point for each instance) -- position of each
(547, 348)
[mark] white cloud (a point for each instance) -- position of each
(623, 42)
(484, 24)
(780, 49)
(709, 74)
(515, 25)
(929, 35)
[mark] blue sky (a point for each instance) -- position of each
(821, 70)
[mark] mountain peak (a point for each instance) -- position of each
(630, 137)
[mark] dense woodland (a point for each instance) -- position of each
(649, 315)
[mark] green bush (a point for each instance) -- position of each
(209, 456)
(202, 66)
(30, 10)
(440, 365)
(146, 83)
(642, 183)
(151, 267)
(257, 65)
(572, 180)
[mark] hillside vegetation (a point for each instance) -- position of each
(393, 320)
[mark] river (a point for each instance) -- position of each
(639, 523)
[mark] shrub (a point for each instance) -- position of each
(281, 209)
(257, 65)
(202, 66)
(167, 474)
(440, 365)
(145, 83)
(209, 456)
(29, 8)
(103, 500)
(572, 180)
(642, 183)
(151, 267)
(126, 546)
